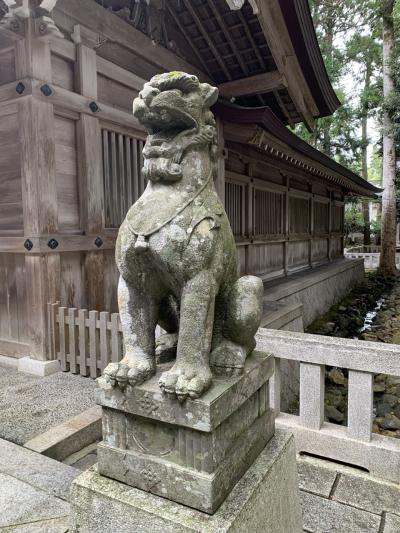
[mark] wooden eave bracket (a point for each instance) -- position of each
(46, 29)
(13, 22)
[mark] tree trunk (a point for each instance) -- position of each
(364, 152)
(388, 236)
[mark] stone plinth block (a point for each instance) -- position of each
(192, 453)
(265, 500)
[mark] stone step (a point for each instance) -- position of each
(34, 491)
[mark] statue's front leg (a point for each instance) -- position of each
(191, 375)
(138, 313)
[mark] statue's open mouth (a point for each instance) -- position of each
(164, 112)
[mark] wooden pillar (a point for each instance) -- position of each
(39, 192)
(311, 227)
(286, 228)
(250, 221)
(90, 167)
(330, 214)
(220, 178)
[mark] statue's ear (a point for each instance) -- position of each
(210, 94)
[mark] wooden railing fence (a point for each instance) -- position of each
(84, 342)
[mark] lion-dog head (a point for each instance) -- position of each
(175, 110)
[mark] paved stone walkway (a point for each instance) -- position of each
(335, 499)
(30, 405)
(340, 499)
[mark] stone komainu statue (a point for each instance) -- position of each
(176, 253)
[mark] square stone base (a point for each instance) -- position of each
(265, 500)
(38, 368)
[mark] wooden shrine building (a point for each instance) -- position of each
(70, 148)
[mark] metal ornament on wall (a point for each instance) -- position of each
(98, 242)
(20, 88)
(46, 90)
(28, 245)
(52, 244)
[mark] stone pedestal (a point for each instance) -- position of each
(195, 455)
(192, 453)
(265, 500)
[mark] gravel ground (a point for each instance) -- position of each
(31, 405)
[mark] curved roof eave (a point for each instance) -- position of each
(297, 16)
(268, 121)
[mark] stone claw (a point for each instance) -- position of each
(182, 383)
(122, 376)
(128, 371)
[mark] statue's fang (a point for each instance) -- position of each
(141, 243)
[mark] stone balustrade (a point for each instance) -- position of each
(370, 254)
(355, 443)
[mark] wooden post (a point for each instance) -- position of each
(330, 213)
(250, 221)
(90, 166)
(220, 178)
(39, 193)
(311, 227)
(286, 228)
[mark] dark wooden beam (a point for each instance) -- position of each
(283, 108)
(258, 84)
(188, 38)
(228, 37)
(206, 37)
(250, 37)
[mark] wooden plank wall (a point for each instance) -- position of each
(11, 217)
(67, 174)
(282, 221)
(12, 299)
(66, 271)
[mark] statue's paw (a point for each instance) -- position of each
(140, 372)
(110, 373)
(166, 346)
(228, 358)
(128, 371)
(183, 382)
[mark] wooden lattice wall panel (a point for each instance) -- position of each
(267, 212)
(123, 180)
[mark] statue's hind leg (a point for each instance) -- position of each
(168, 319)
(242, 319)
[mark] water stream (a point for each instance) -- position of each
(370, 317)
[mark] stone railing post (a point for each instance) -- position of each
(360, 405)
(312, 393)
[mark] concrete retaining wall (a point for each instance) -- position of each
(317, 290)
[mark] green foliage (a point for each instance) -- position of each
(353, 218)
(376, 225)
(349, 36)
